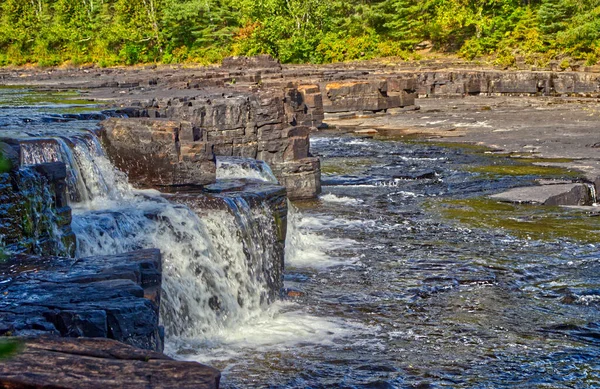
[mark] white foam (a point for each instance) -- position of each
(305, 247)
(480, 124)
(357, 142)
(331, 198)
(235, 167)
(281, 326)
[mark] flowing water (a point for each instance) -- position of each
(401, 289)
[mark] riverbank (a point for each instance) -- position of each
(546, 114)
(555, 132)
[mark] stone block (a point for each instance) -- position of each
(87, 363)
(159, 151)
(225, 150)
(302, 178)
(342, 90)
(401, 84)
(296, 131)
(270, 132)
(245, 149)
(296, 148)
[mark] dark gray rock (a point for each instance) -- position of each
(560, 194)
(113, 297)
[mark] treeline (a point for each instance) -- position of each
(112, 32)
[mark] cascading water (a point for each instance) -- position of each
(89, 173)
(248, 168)
(214, 265)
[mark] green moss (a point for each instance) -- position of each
(469, 148)
(56, 98)
(342, 166)
(523, 169)
(530, 159)
(524, 221)
(8, 348)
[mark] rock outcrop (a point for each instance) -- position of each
(115, 297)
(557, 194)
(174, 141)
(368, 95)
(160, 151)
(448, 83)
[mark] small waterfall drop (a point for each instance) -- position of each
(90, 174)
(237, 167)
(594, 194)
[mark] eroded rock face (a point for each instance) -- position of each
(98, 363)
(367, 95)
(114, 297)
(159, 151)
(448, 83)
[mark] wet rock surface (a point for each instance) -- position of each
(114, 297)
(560, 194)
(85, 363)
(35, 217)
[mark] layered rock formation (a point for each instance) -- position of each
(259, 114)
(98, 363)
(114, 297)
(459, 83)
(176, 139)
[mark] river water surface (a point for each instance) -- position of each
(402, 296)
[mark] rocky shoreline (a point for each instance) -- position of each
(165, 128)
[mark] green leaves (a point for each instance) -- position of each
(111, 32)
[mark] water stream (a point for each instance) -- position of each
(396, 293)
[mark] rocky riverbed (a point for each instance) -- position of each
(383, 137)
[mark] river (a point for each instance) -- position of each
(409, 278)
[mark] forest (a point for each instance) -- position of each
(127, 32)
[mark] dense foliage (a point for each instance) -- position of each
(110, 32)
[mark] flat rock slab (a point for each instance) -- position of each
(99, 363)
(560, 194)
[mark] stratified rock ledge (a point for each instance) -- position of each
(98, 363)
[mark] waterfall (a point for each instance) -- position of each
(593, 194)
(215, 262)
(236, 167)
(90, 174)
